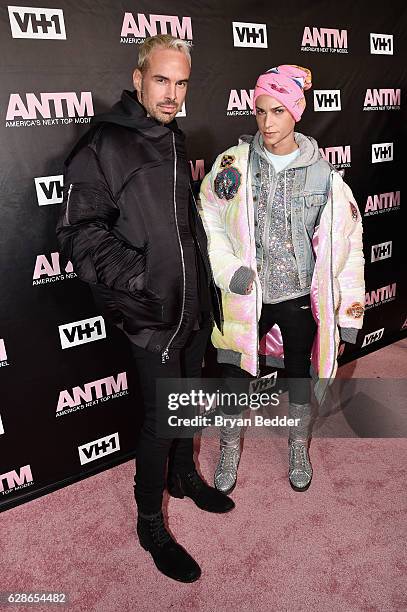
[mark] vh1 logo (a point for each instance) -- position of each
(82, 332)
(261, 385)
(99, 448)
(382, 152)
(381, 44)
(249, 34)
(49, 189)
(327, 100)
(150, 25)
(381, 251)
(14, 480)
(373, 337)
(31, 22)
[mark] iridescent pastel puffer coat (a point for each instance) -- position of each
(337, 287)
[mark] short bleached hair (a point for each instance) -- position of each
(161, 41)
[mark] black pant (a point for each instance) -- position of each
(152, 452)
(297, 325)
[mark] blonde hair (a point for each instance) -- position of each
(162, 41)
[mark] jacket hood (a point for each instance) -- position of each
(309, 151)
(131, 114)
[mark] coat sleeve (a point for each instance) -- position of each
(348, 260)
(224, 263)
(85, 229)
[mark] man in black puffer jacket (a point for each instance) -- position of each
(129, 225)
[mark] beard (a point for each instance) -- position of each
(165, 116)
(157, 112)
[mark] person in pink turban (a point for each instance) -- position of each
(285, 246)
(286, 84)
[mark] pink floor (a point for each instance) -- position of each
(340, 546)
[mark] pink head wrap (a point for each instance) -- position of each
(286, 84)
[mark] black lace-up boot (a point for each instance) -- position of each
(205, 497)
(170, 558)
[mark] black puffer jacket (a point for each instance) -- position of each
(129, 225)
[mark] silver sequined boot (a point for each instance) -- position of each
(226, 471)
(299, 465)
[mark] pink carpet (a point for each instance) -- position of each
(340, 546)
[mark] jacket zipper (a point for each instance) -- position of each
(165, 354)
(268, 217)
(210, 269)
(330, 196)
(67, 204)
(249, 161)
(331, 270)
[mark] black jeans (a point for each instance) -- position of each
(152, 452)
(297, 325)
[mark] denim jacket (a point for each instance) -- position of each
(306, 197)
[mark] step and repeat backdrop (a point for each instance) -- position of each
(69, 403)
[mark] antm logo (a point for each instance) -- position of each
(325, 38)
(382, 97)
(81, 332)
(249, 34)
(182, 111)
(381, 44)
(49, 189)
(240, 102)
(30, 22)
(197, 170)
(327, 100)
(380, 296)
(91, 391)
(373, 337)
(98, 448)
(49, 105)
(3, 353)
(382, 202)
(337, 155)
(45, 267)
(381, 251)
(16, 479)
(150, 25)
(382, 152)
